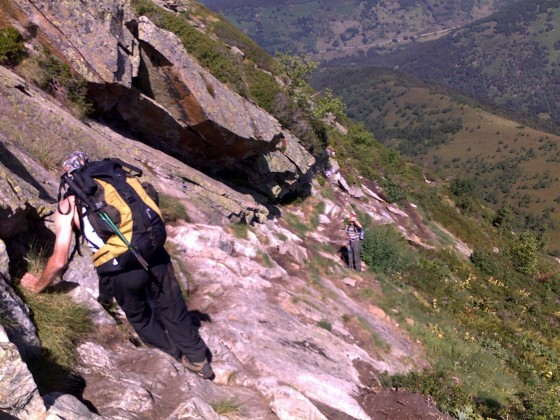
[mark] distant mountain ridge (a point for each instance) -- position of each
(333, 29)
(511, 59)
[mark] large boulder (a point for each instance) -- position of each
(15, 317)
(142, 76)
(34, 123)
(19, 396)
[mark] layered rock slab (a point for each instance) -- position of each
(142, 76)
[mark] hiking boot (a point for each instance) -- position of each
(202, 369)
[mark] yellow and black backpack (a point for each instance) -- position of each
(123, 213)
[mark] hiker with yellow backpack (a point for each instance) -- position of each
(120, 219)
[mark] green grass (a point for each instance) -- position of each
(325, 324)
(378, 342)
(295, 223)
(265, 259)
(239, 230)
(37, 257)
(227, 407)
(172, 209)
(487, 335)
(61, 325)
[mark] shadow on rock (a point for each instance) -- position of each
(32, 242)
(197, 317)
(13, 164)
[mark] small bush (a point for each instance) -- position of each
(12, 49)
(484, 260)
(394, 192)
(60, 81)
(461, 187)
(326, 325)
(523, 252)
(385, 250)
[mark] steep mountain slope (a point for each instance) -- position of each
(255, 225)
(453, 136)
(287, 341)
(333, 29)
(510, 59)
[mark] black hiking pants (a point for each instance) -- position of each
(154, 306)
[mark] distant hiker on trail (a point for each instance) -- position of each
(122, 224)
(353, 230)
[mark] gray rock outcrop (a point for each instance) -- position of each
(26, 188)
(143, 76)
(14, 316)
(19, 396)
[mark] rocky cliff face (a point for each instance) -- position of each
(142, 76)
(288, 341)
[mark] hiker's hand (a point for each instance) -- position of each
(29, 281)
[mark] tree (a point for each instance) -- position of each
(523, 252)
(504, 217)
(295, 71)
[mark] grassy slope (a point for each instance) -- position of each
(352, 25)
(440, 132)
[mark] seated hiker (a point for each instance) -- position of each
(124, 228)
(353, 229)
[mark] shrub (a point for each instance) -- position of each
(325, 324)
(523, 251)
(60, 81)
(394, 192)
(328, 104)
(461, 187)
(385, 250)
(504, 217)
(484, 261)
(11, 46)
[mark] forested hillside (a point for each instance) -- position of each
(510, 58)
(331, 29)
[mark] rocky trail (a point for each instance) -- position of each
(291, 334)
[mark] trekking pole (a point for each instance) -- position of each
(107, 219)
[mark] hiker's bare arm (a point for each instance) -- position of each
(63, 225)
